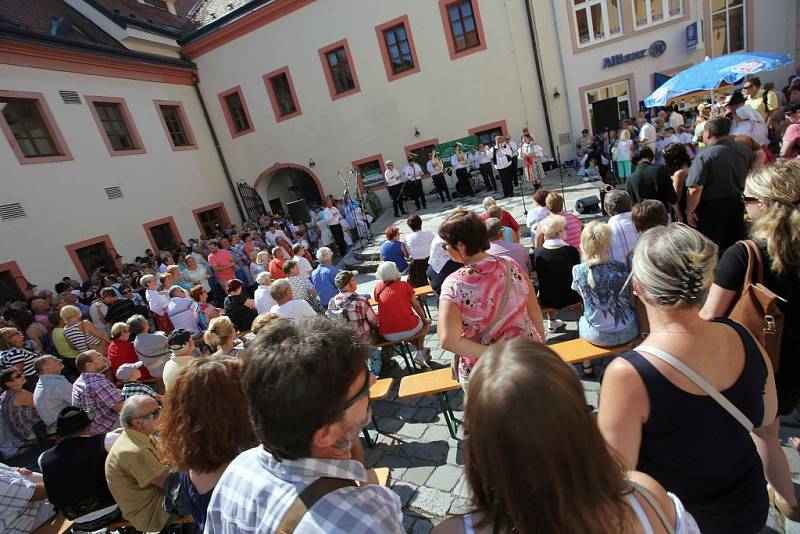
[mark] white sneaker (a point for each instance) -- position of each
(422, 358)
(554, 325)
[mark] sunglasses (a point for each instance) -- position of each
(747, 199)
(363, 392)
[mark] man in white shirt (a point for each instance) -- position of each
(272, 234)
(647, 134)
(503, 158)
(459, 162)
(623, 234)
(675, 118)
(413, 174)
(395, 182)
(285, 307)
(334, 220)
(484, 159)
(436, 170)
(264, 302)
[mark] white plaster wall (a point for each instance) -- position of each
(443, 100)
(66, 202)
(776, 34)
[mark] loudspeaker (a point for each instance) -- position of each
(587, 205)
(298, 212)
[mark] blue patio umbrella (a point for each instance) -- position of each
(712, 73)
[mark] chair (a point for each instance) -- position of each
(438, 383)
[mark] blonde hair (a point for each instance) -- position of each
(163, 276)
(146, 279)
(171, 268)
(595, 243)
(263, 320)
(69, 313)
(674, 265)
(5, 336)
(219, 333)
(554, 203)
(118, 329)
(552, 225)
(263, 257)
(624, 134)
(777, 186)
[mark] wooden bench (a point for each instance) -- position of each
(422, 293)
(404, 349)
(551, 312)
(378, 391)
(438, 383)
(380, 476)
(579, 350)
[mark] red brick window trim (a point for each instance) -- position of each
(282, 94)
(463, 29)
(237, 115)
(397, 48)
(176, 124)
(116, 126)
(339, 69)
(31, 129)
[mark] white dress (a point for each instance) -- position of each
(325, 235)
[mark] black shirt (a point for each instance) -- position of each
(653, 182)
(122, 309)
(240, 315)
(74, 475)
(721, 170)
(553, 268)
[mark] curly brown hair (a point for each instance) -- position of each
(205, 422)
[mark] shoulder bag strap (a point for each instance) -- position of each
(700, 382)
(307, 498)
(503, 300)
(755, 262)
(651, 500)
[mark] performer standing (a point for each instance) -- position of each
(394, 181)
(485, 165)
(436, 170)
(459, 162)
(413, 174)
(503, 158)
(334, 220)
(532, 166)
(515, 163)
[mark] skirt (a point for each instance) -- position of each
(416, 273)
(163, 323)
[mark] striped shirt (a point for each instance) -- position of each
(256, 491)
(79, 339)
(574, 227)
(11, 357)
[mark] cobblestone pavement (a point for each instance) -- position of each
(426, 463)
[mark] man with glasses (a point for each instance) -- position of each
(307, 385)
(134, 471)
(766, 103)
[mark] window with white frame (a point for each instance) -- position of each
(728, 26)
(597, 20)
(650, 12)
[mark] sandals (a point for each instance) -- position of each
(792, 514)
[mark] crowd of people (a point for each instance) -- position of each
(227, 381)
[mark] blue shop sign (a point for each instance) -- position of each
(691, 36)
(656, 49)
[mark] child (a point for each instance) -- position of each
(592, 172)
(129, 374)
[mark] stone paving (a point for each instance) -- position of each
(426, 463)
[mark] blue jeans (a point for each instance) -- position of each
(607, 339)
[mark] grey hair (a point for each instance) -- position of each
(617, 202)
(262, 277)
(132, 408)
(552, 225)
(387, 271)
(137, 324)
(494, 227)
(279, 288)
(324, 253)
(674, 265)
(41, 361)
(488, 202)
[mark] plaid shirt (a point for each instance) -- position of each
(96, 394)
(256, 491)
(360, 313)
(129, 389)
(18, 514)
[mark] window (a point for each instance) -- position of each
(176, 125)
(340, 70)
(9, 290)
(647, 12)
(211, 219)
(421, 152)
(397, 48)
(616, 95)
(370, 172)
(487, 132)
(236, 113)
(30, 128)
(116, 125)
(597, 20)
(93, 254)
(162, 233)
(281, 94)
(340, 74)
(462, 25)
(728, 26)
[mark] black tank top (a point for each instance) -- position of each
(700, 452)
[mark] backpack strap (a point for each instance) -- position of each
(307, 498)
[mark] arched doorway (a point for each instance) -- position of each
(286, 182)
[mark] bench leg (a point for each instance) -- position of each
(408, 357)
(427, 309)
(447, 412)
(368, 438)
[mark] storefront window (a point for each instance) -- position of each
(728, 26)
(650, 12)
(617, 96)
(597, 20)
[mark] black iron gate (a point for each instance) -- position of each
(253, 204)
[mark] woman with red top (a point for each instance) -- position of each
(120, 350)
(276, 263)
(400, 316)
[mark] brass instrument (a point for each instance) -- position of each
(437, 162)
(462, 158)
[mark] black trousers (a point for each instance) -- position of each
(415, 188)
(397, 202)
(437, 279)
(507, 180)
(488, 177)
(441, 186)
(463, 185)
(722, 221)
(515, 172)
(338, 237)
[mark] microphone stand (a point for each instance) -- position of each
(560, 171)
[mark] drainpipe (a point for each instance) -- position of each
(215, 139)
(540, 76)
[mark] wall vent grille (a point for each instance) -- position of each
(70, 97)
(114, 192)
(564, 139)
(12, 211)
